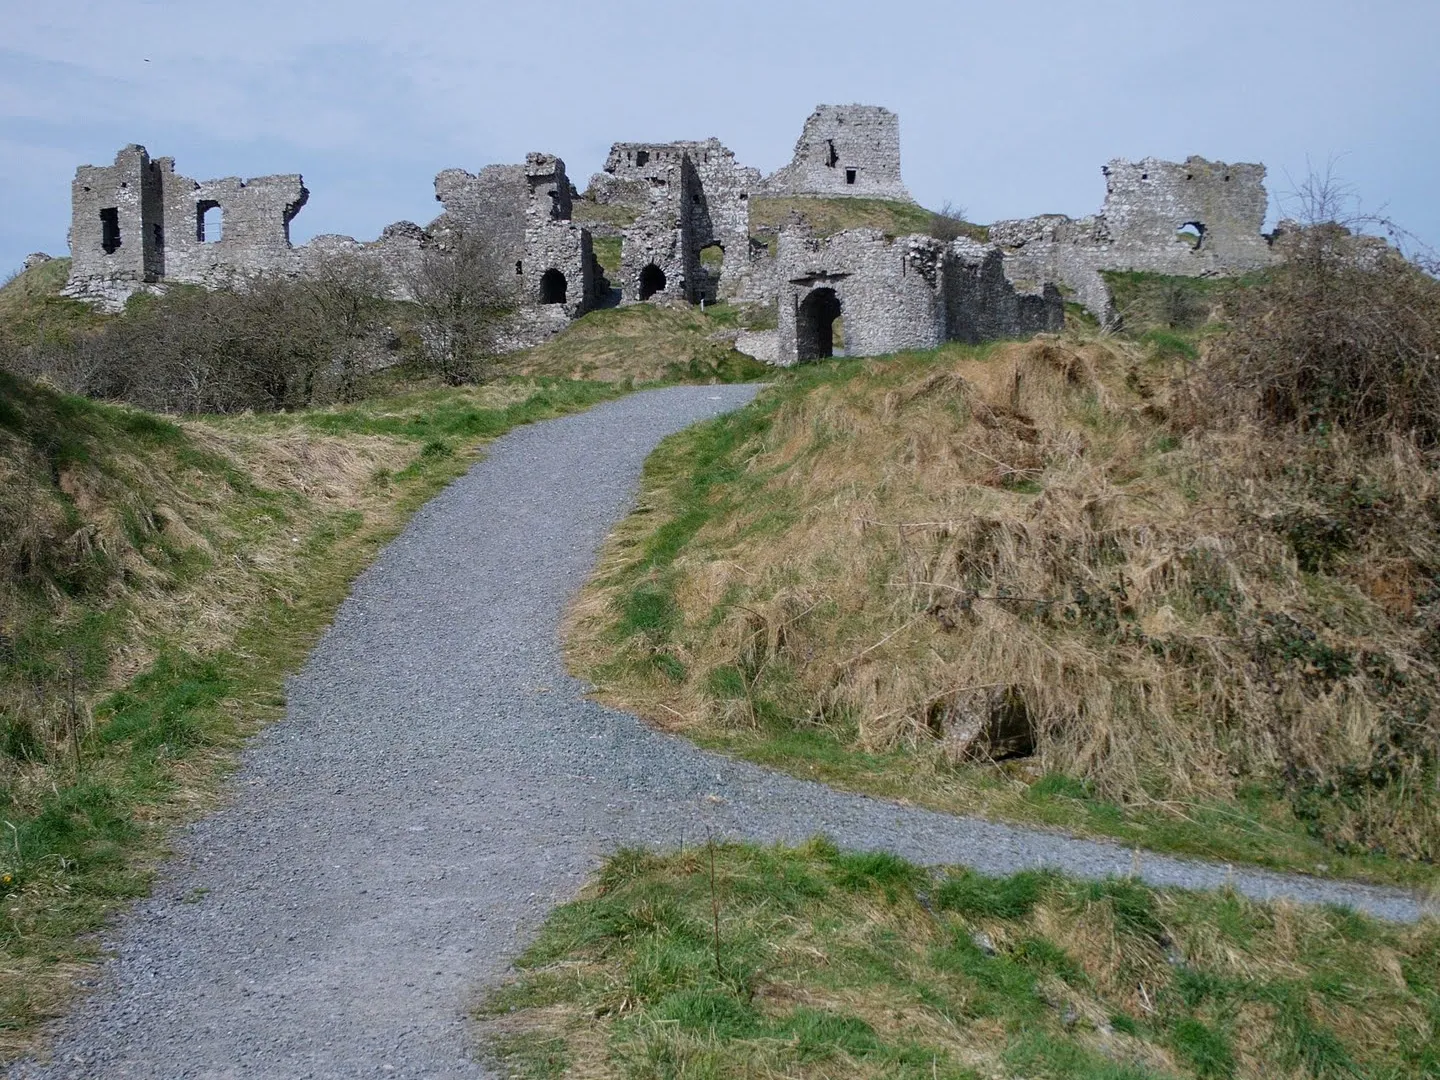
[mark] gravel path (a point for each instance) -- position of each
(439, 782)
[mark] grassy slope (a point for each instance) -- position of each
(643, 343)
(834, 579)
(161, 578)
(828, 216)
(837, 964)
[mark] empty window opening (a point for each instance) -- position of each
(158, 232)
(1192, 233)
(519, 267)
(552, 287)
(831, 157)
(1144, 176)
(110, 229)
(712, 258)
(652, 281)
(1227, 178)
(642, 157)
(209, 221)
(819, 325)
(849, 176)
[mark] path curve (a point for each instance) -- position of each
(439, 782)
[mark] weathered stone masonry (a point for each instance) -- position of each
(914, 292)
(1189, 218)
(138, 225)
(845, 150)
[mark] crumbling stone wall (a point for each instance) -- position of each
(845, 150)
(1189, 218)
(913, 292)
(138, 224)
(689, 197)
(216, 230)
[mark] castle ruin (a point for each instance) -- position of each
(682, 213)
(1192, 219)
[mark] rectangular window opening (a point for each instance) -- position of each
(110, 229)
(849, 176)
(209, 221)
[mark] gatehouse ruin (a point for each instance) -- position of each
(681, 213)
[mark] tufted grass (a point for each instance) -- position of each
(831, 580)
(838, 963)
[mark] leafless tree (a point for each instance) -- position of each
(347, 294)
(461, 294)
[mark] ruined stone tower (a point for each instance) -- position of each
(845, 150)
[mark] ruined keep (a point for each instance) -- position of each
(1192, 218)
(845, 150)
(526, 211)
(137, 222)
(914, 292)
(691, 233)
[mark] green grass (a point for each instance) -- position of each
(88, 793)
(835, 963)
(607, 253)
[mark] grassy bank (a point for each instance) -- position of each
(813, 962)
(161, 577)
(1214, 642)
(644, 343)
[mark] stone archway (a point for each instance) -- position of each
(652, 281)
(815, 324)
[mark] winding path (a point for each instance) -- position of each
(440, 781)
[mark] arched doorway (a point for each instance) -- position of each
(652, 281)
(816, 324)
(552, 287)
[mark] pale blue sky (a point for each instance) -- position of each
(1007, 109)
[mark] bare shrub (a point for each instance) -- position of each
(459, 291)
(1345, 333)
(948, 223)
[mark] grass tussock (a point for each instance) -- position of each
(158, 579)
(815, 962)
(886, 572)
(644, 343)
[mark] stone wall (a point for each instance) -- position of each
(138, 224)
(888, 292)
(913, 292)
(1189, 218)
(845, 150)
(688, 197)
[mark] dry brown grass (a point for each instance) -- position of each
(911, 547)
